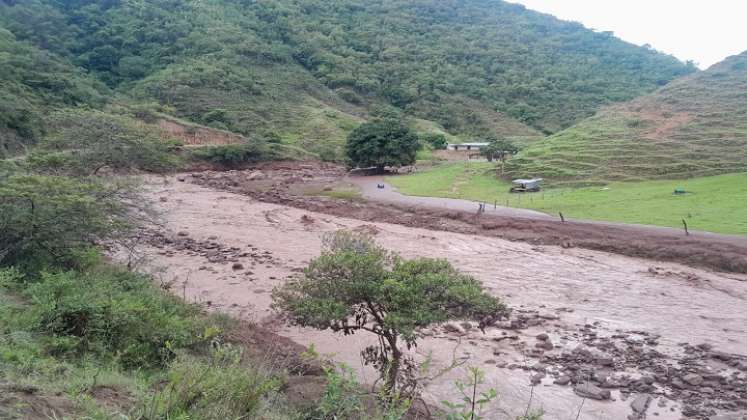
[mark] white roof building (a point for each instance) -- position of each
(466, 146)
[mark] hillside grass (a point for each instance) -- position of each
(693, 127)
(714, 203)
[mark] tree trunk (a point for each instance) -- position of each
(390, 384)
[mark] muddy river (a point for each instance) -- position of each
(567, 292)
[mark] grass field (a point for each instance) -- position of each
(715, 204)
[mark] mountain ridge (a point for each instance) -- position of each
(311, 70)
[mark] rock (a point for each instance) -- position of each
(587, 390)
(237, 266)
(181, 178)
(536, 379)
(451, 328)
(183, 233)
(719, 355)
(543, 337)
(164, 199)
(605, 361)
(693, 379)
(728, 416)
(640, 403)
(466, 325)
(562, 380)
(544, 345)
(256, 176)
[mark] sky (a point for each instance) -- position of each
(705, 31)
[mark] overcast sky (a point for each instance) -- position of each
(705, 31)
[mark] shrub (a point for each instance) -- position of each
(215, 389)
(233, 155)
(436, 141)
(51, 220)
(111, 313)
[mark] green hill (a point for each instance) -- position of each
(311, 70)
(695, 126)
(32, 81)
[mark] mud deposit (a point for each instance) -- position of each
(609, 336)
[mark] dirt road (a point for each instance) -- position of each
(615, 323)
(369, 189)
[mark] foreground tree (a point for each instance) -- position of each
(355, 285)
(382, 143)
(52, 220)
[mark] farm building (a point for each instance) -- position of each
(466, 147)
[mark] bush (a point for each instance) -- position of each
(51, 220)
(215, 389)
(108, 312)
(436, 141)
(233, 155)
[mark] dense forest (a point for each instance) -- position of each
(312, 70)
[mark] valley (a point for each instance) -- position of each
(612, 304)
(368, 210)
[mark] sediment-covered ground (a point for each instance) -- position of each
(606, 335)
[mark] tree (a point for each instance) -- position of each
(382, 143)
(435, 140)
(356, 285)
(51, 220)
(499, 149)
(83, 142)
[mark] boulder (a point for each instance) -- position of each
(545, 345)
(693, 379)
(588, 390)
(640, 403)
(256, 176)
(562, 380)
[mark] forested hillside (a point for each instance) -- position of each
(311, 70)
(694, 126)
(33, 81)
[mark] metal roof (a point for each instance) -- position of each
(527, 181)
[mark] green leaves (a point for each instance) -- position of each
(83, 142)
(382, 143)
(356, 285)
(53, 219)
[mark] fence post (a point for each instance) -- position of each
(495, 204)
(562, 218)
(687, 232)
